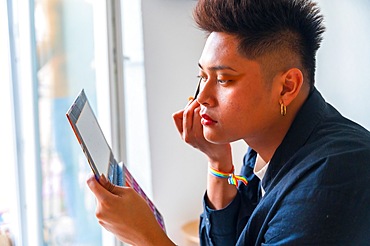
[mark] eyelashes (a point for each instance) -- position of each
(204, 79)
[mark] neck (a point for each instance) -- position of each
(267, 143)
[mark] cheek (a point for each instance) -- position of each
(235, 103)
(229, 107)
(245, 110)
(235, 113)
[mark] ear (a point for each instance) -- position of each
(291, 85)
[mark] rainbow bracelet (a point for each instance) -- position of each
(232, 178)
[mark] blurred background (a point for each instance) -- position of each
(137, 61)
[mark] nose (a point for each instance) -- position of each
(206, 96)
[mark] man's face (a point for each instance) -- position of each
(236, 100)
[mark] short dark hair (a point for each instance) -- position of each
(263, 26)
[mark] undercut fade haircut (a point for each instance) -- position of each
(264, 26)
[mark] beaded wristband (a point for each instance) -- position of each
(232, 178)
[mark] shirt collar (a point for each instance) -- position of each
(260, 170)
(260, 167)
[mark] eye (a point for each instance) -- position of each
(220, 81)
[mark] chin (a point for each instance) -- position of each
(218, 138)
(215, 139)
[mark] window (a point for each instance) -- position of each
(50, 54)
(65, 65)
(8, 187)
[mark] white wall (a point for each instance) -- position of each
(343, 69)
(172, 47)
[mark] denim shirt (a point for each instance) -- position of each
(317, 188)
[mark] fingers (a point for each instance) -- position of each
(102, 190)
(184, 118)
(197, 128)
(106, 184)
(96, 188)
(190, 121)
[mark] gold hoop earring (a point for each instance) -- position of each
(282, 109)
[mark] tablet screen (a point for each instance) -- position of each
(94, 139)
(90, 135)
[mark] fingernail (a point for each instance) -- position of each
(190, 100)
(103, 179)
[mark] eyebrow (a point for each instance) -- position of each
(216, 68)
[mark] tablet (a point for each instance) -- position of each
(91, 138)
(98, 152)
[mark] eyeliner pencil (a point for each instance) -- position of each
(198, 88)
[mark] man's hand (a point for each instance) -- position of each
(123, 212)
(188, 124)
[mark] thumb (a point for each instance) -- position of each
(108, 185)
(178, 118)
(99, 191)
(102, 189)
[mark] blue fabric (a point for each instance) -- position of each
(317, 188)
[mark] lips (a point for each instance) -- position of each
(207, 120)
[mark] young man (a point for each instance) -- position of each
(307, 168)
